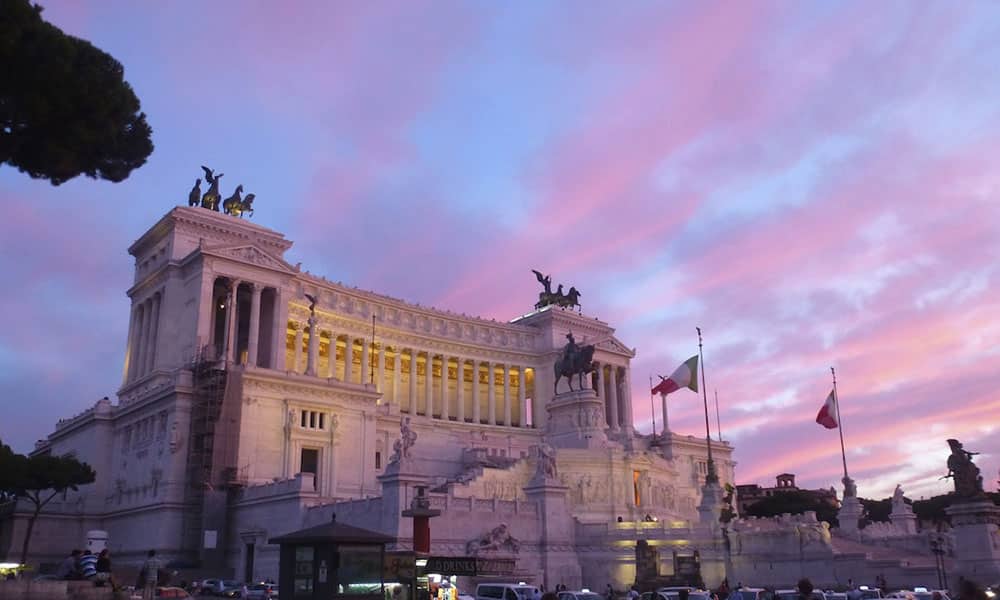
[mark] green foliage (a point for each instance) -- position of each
(65, 108)
(38, 479)
(794, 502)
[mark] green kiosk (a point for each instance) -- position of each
(332, 560)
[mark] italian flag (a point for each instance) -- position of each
(827, 416)
(686, 376)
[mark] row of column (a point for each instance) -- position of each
(612, 386)
(229, 344)
(144, 328)
(437, 395)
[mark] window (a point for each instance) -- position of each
(378, 460)
(312, 419)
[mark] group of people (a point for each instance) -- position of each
(85, 565)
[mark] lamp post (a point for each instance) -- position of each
(938, 548)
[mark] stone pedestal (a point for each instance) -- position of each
(710, 542)
(576, 420)
(399, 488)
(976, 527)
(559, 562)
(849, 516)
(904, 521)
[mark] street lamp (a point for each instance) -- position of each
(939, 549)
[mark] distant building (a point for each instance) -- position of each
(749, 494)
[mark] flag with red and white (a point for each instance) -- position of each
(827, 416)
(685, 376)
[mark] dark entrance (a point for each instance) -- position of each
(310, 464)
(248, 563)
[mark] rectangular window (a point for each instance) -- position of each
(635, 486)
(312, 419)
(378, 460)
(322, 421)
(305, 416)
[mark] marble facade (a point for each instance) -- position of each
(243, 415)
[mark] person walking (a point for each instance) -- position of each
(88, 565)
(104, 569)
(68, 568)
(149, 574)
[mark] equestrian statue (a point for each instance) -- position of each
(547, 297)
(575, 360)
(211, 198)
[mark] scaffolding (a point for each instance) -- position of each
(208, 393)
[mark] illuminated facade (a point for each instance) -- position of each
(257, 400)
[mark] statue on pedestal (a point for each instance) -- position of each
(547, 297)
(211, 198)
(407, 438)
(968, 481)
(898, 504)
(576, 360)
(546, 467)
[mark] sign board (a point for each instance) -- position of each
(211, 538)
(399, 566)
(469, 566)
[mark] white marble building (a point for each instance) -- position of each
(240, 418)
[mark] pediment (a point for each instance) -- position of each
(613, 344)
(250, 254)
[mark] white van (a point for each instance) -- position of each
(505, 591)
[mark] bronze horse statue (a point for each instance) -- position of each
(237, 206)
(194, 196)
(578, 363)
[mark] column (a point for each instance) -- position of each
(460, 389)
(332, 363)
(413, 381)
(429, 386)
(366, 374)
(613, 395)
(476, 416)
(380, 379)
(600, 392)
(297, 360)
(279, 337)
(522, 397)
(348, 359)
(231, 319)
(666, 423)
(313, 356)
(491, 397)
(154, 330)
(147, 320)
(132, 352)
(397, 368)
(444, 388)
(254, 324)
(506, 394)
(626, 400)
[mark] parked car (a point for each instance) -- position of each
(748, 593)
(693, 594)
(579, 595)
(262, 591)
(794, 595)
(505, 591)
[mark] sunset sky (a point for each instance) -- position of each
(814, 184)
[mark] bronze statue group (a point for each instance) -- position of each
(235, 205)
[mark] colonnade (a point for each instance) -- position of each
(422, 382)
(241, 326)
(611, 382)
(144, 329)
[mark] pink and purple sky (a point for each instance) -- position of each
(813, 184)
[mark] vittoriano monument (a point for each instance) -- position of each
(547, 297)
(235, 205)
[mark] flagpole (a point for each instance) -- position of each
(711, 476)
(652, 407)
(840, 423)
(718, 421)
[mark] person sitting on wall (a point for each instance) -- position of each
(805, 588)
(69, 567)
